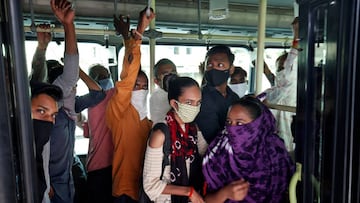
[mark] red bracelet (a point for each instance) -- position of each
(191, 191)
(295, 43)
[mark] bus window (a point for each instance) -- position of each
(186, 58)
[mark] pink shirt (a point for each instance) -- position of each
(100, 154)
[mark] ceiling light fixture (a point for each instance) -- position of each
(218, 9)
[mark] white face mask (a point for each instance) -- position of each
(240, 89)
(186, 112)
(138, 100)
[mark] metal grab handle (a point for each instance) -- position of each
(293, 182)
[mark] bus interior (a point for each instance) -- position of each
(327, 135)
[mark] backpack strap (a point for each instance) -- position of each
(167, 144)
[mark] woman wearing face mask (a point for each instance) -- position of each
(238, 82)
(181, 179)
(247, 162)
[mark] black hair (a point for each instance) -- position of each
(239, 70)
(161, 62)
(167, 79)
(281, 58)
(177, 86)
(221, 49)
(252, 104)
(141, 72)
(53, 91)
(98, 72)
(54, 70)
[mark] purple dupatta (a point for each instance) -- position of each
(254, 152)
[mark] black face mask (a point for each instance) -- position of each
(216, 77)
(42, 130)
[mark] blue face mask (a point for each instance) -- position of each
(106, 84)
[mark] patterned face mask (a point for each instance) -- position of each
(186, 112)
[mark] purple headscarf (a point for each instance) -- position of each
(253, 152)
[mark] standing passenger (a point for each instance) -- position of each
(100, 153)
(63, 134)
(126, 115)
(44, 108)
(216, 95)
(159, 104)
(181, 179)
(238, 82)
(284, 91)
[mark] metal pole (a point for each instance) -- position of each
(152, 43)
(261, 46)
(22, 102)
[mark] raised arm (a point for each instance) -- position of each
(94, 96)
(66, 15)
(131, 65)
(290, 59)
(38, 66)
(89, 82)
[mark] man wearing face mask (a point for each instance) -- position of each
(216, 95)
(238, 82)
(44, 107)
(284, 90)
(126, 115)
(159, 104)
(100, 153)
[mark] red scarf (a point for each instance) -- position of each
(183, 146)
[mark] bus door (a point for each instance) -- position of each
(17, 155)
(327, 106)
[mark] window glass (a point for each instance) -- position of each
(187, 58)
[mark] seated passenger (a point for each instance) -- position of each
(238, 82)
(177, 180)
(248, 149)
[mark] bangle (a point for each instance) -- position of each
(191, 191)
(295, 43)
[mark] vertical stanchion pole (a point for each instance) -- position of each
(261, 46)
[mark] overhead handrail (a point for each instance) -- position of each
(281, 107)
(83, 31)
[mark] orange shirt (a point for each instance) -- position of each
(128, 132)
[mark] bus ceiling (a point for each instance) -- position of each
(175, 20)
